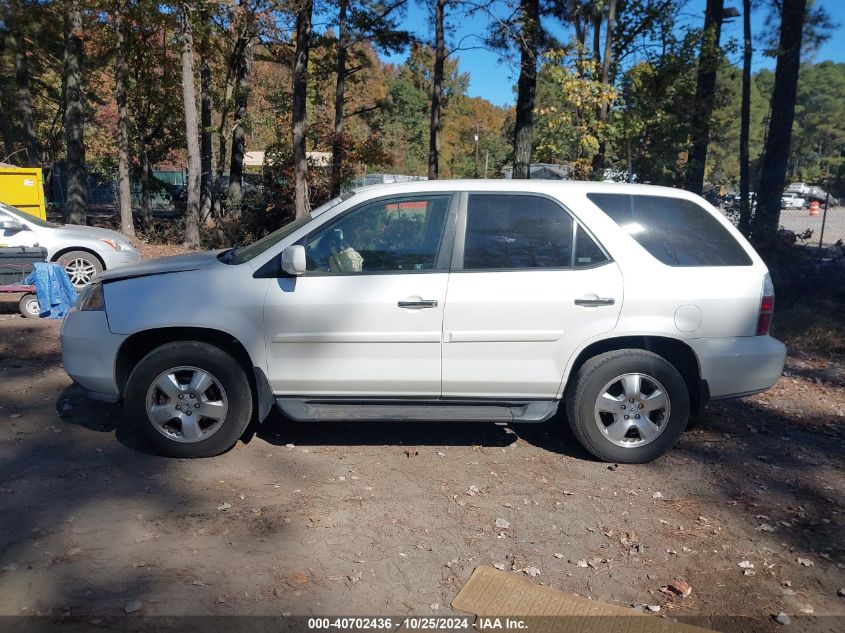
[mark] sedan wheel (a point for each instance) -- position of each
(81, 267)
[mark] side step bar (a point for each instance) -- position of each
(416, 411)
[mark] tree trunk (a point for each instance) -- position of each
(745, 123)
(189, 101)
(236, 164)
(607, 61)
(23, 96)
(300, 87)
(705, 88)
(127, 227)
(436, 91)
(146, 196)
(338, 142)
(764, 226)
(206, 149)
(526, 88)
(77, 177)
(217, 197)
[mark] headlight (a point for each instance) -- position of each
(92, 298)
(118, 246)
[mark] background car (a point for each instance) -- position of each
(791, 200)
(83, 251)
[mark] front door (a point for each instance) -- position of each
(365, 320)
(528, 286)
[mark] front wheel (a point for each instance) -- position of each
(81, 267)
(191, 399)
(628, 406)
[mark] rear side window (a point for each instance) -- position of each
(587, 252)
(516, 232)
(675, 231)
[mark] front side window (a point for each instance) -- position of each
(393, 235)
(516, 232)
(675, 231)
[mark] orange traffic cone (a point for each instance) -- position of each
(814, 207)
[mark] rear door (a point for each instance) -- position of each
(528, 286)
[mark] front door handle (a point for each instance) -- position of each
(415, 303)
(594, 301)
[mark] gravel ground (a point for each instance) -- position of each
(392, 518)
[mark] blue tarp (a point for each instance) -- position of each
(56, 295)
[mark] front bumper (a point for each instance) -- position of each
(115, 259)
(739, 366)
(89, 351)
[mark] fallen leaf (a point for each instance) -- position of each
(132, 607)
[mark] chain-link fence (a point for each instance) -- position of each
(820, 223)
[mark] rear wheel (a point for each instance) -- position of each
(81, 267)
(191, 399)
(628, 406)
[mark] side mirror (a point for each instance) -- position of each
(11, 225)
(293, 259)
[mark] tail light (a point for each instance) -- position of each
(767, 307)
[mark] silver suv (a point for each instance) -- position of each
(448, 300)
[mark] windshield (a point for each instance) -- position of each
(26, 217)
(246, 253)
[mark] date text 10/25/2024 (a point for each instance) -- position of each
(423, 623)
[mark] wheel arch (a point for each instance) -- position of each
(84, 249)
(677, 352)
(139, 344)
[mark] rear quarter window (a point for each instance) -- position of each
(675, 231)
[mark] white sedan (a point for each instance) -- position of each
(83, 251)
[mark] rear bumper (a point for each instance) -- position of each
(89, 351)
(739, 366)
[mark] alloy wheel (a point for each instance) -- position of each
(632, 410)
(187, 404)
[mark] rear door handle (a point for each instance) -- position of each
(594, 301)
(416, 303)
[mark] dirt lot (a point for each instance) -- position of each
(392, 518)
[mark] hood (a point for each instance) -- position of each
(92, 232)
(162, 265)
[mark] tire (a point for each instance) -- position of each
(28, 306)
(214, 410)
(643, 430)
(81, 267)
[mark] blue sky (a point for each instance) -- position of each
(494, 78)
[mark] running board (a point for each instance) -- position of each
(435, 411)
